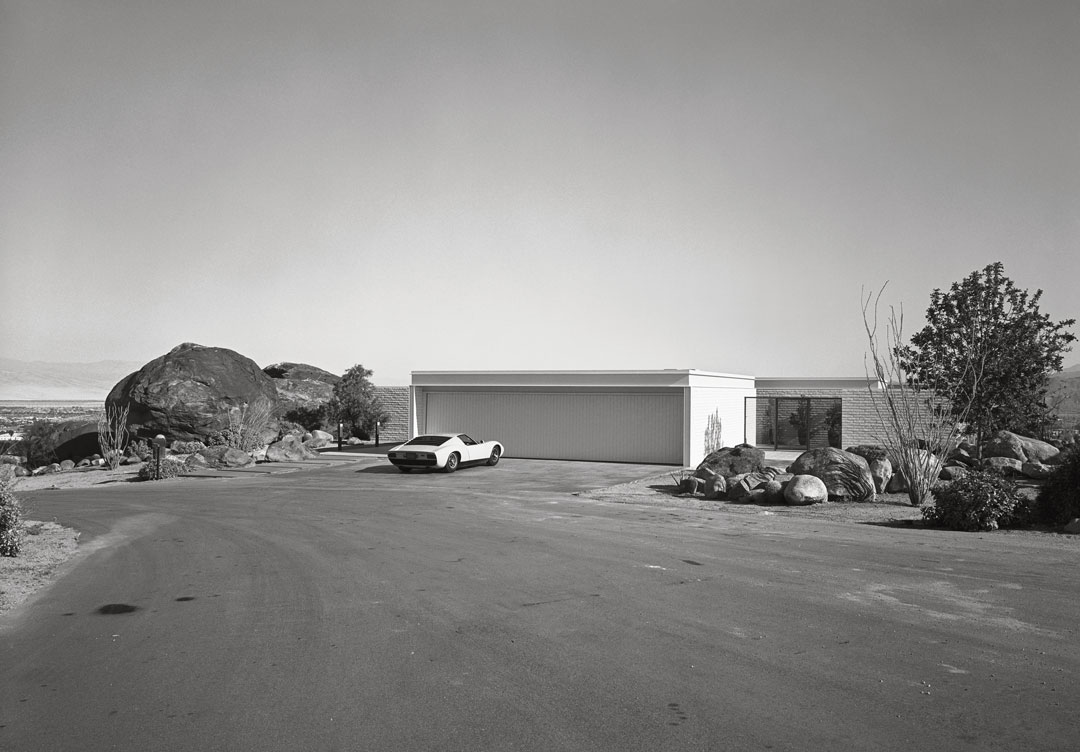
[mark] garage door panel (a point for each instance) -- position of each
(623, 427)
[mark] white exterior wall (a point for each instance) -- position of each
(715, 414)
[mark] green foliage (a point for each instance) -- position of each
(981, 500)
(355, 404)
(987, 344)
(170, 467)
(11, 520)
(287, 427)
(1059, 498)
(309, 418)
(37, 443)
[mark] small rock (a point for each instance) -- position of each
(715, 487)
(66, 465)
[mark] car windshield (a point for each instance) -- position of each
(428, 441)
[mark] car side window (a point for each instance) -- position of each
(466, 440)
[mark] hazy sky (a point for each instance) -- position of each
(520, 185)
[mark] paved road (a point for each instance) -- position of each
(356, 608)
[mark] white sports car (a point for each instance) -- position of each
(445, 451)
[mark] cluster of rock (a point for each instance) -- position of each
(740, 474)
(858, 473)
(1008, 453)
(15, 465)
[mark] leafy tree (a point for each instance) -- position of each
(355, 403)
(986, 344)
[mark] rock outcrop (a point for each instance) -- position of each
(302, 389)
(72, 439)
(187, 393)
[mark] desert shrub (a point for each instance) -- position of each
(11, 520)
(140, 448)
(981, 500)
(170, 467)
(37, 443)
(1059, 498)
(287, 427)
(187, 447)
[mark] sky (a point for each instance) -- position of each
(525, 185)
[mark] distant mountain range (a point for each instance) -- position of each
(1064, 394)
(40, 380)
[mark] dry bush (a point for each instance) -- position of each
(913, 414)
(113, 434)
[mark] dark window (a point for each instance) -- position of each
(428, 441)
(465, 440)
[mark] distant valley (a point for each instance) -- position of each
(41, 380)
(1064, 394)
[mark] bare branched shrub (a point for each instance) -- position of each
(113, 434)
(918, 419)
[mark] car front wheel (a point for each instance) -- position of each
(452, 462)
(493, 460)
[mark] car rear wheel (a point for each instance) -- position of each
(452, 462)
(493, 460)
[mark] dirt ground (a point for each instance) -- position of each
(81, 478)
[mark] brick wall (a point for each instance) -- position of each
(860, 422)
(395, 399)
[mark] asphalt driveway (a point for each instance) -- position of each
(353, 607)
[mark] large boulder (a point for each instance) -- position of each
(289, 449)
(846, 475)
(302, 390)
(805, 489)
(1017, 447)
(731, 461)
(188, 393)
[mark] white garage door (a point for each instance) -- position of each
(611, 427)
